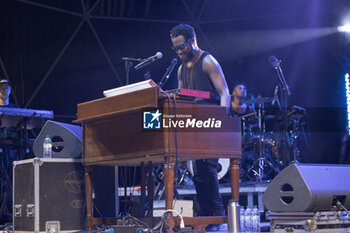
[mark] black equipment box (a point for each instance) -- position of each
(319, 221)
(48, 195)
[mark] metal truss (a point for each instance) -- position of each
(86, 16)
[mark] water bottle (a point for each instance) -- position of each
(242, 218)
(255, 219)
(47, 147)
(248, 219)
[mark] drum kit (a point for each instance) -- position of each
(270, 139)
(272, 143)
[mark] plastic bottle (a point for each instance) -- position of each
(47, 147)
(248, 219)
(255, 219)
(242, 219)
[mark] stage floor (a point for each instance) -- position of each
(250, 193)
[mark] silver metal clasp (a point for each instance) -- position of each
(30, 210)
(18, 211)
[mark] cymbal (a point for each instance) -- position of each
(260, 100)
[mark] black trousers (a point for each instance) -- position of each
(207, 187)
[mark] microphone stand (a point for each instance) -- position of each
(276, 99)
(128, 65)
(284, 102)
(165, 77)
(167, 74)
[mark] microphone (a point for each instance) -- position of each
(131, 59)
(274, 62)
(170, 68)
(275, 95)
(168, 72)
(149, 60)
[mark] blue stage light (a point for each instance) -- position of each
(347, 87)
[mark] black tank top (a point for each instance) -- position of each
(195, 78)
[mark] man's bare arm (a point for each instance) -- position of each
(213, 69)
(179, 78)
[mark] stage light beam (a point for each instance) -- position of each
(239, 44)
(344, 28)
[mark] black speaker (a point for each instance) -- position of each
(308, 187)
(66, 140)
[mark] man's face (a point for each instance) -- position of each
(5, 91)
(183, 48)
(240, 91)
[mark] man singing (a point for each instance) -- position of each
(200, 71)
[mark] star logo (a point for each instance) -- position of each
(152, 119)
(156, 115)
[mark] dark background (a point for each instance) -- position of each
(59, 53)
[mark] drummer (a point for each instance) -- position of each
(238, 106)
(242, 109)
(249, 121)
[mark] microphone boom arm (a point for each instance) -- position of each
(168, 72)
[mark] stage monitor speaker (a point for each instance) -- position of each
(66, 140)
(308, 187)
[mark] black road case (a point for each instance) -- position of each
(48, 195)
